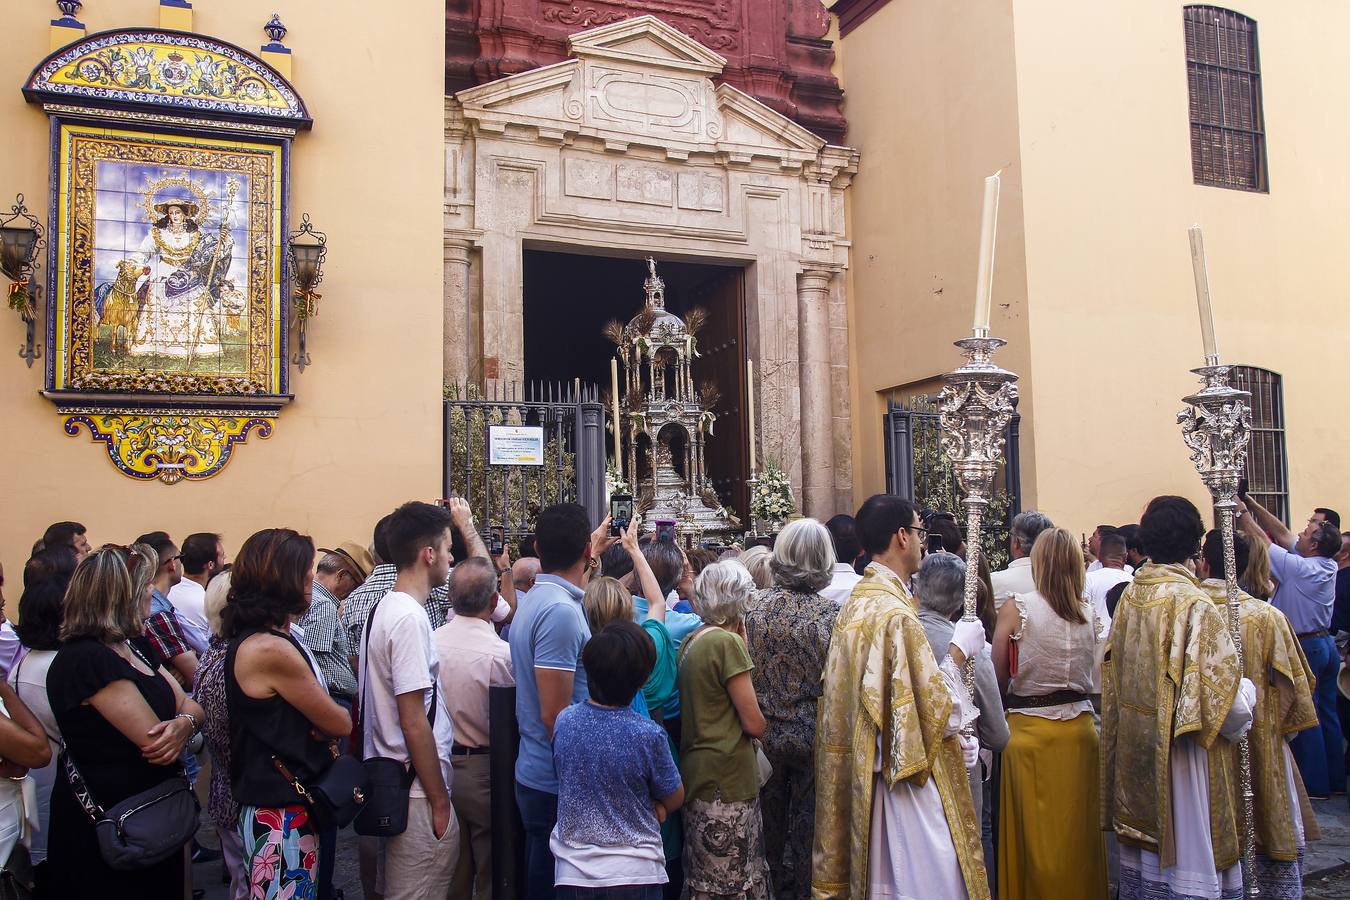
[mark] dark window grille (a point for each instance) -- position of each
(1223, 72)
(1267, 459)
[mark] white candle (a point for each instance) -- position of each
(614, 398)
(750, 407)
(1201, 272)
(984, 278)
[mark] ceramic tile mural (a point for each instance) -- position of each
(173, 246)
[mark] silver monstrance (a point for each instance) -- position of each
(1216, 426)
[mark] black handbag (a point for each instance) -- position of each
(143, 829)
(385, 812)
(17, 878)
(335, 797)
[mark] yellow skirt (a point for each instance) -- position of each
(1050, 842)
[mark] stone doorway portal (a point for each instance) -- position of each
(629, 148)
(568, 297)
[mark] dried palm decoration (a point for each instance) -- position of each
(613, 330)
(645, 320)
(694, 320)
(710, 393)
(635, 397)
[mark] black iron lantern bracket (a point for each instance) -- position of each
(21, 240)
(307, 249)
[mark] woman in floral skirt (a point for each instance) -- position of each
(276, 705)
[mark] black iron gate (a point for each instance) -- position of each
(918, 469)
(509, 497)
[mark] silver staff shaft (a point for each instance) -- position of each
(976, 404)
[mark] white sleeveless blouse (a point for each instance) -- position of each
(1055, 655)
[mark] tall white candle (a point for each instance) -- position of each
(984, 278)
(750, 407)
(614, 398)
(1201, 271)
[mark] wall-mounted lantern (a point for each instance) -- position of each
(306, 251)
(20, 241)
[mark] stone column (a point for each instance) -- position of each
(813, 298)
(458, 327)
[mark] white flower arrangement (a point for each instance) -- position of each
(772, 501)
(614, 480)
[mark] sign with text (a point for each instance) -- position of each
(516, 445)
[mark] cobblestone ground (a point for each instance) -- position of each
(1329, 856)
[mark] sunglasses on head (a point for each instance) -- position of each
(132, 555)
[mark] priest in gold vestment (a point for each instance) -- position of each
(894, 814)
(1174, 702)
(1274, 661)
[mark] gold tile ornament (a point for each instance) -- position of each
(169, 445)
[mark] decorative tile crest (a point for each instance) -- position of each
(169, 445)
(189, 72)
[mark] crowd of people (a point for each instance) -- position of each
(809, 716)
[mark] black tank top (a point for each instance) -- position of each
(262, 729)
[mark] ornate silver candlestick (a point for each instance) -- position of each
(1216, 426)
(976, 403)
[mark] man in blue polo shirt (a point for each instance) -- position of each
(547, 636)
(1305, 567)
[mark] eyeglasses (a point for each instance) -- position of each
(919, 531)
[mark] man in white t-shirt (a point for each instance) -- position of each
(1015, 578)
(1113, 571)
(405, 714)
(202, 556)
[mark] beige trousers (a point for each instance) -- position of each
(417, 866)
(472, 800)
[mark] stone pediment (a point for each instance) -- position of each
(638, 82)
(645, 41)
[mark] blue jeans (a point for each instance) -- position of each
(538, 813)
(627, 892)
(1319, 751)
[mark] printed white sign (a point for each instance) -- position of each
(516, 445)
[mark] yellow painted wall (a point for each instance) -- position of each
(1088, 102)
(931, 103)
(363, 433)
(1108, 196)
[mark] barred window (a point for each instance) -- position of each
(1223, 73)
(1267, 462)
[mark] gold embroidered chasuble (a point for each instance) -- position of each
(880, 675)
(1274, 661)
(1171, 670)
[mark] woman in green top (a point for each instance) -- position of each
(724, 832)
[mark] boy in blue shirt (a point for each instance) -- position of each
(616, 778)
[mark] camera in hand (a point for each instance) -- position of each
(935, 544)
(665, 530)
(620, 513)
(496, 541)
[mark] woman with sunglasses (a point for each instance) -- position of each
(123, 718)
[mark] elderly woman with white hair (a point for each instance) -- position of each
(724, 832)
(940, 586)
(756, 562)
(788, 627)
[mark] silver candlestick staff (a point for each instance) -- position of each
(976, 403)
(1216, 426)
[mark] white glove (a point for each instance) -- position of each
(968, 637)
(970, 749)
(1239, 719)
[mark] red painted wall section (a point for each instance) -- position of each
(775, 49)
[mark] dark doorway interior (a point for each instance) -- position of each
(569, 297)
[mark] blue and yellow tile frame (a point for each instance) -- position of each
(167, 319)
